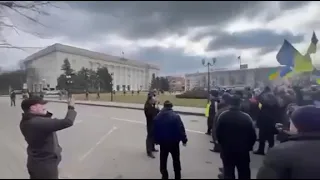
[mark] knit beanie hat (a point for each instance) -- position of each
(306, 119)
(226, 97)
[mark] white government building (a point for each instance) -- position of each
(46, 67)
(232, 78)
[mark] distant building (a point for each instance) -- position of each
(176, 83)
(44, 67)
(231, 78)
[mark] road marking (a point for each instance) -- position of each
(139, 122)
(97, 144)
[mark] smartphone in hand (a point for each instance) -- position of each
(71, 102)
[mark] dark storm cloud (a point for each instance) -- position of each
(258, 38)
(287, 5)
(90, 21)
(143, 20)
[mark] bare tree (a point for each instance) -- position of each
(28, 10)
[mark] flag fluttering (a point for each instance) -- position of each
(286, 54)
(313, 45)
(274, 75)
(293, 61)
(286, 71)
(291, 57)
(303, 63)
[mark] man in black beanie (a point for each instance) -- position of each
(236, 135)
(168, 132)
(297, 158)
(39, 130)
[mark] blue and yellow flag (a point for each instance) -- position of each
(274, 75)
(313, 45)
(291, 57)
(286, 71)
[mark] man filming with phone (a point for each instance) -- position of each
(39, 130)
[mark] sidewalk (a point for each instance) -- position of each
(179, 109)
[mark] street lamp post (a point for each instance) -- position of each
(111, 87)
(209, 64)
(69, 82)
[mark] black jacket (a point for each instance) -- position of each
(212, 109)
(168, 127)
(235, 131)
(13, 95)
(267, 118)
(40, 134)
(295, 159)
(150, 111)
(221, 108)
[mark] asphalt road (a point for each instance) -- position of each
(108, 143)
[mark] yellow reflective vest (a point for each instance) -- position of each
(206, 113)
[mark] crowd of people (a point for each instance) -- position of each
(232, 122)
(234, 116)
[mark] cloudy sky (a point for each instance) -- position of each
(174, 35)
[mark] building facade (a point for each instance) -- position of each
(176, 83)
(232, 78)
(44, 67)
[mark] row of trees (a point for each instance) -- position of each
(159, 83)
(88, 79)
(13, 79)
(85, 79)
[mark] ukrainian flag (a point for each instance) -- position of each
(289, 56)
(286, 71)
(313, 45)
(274, 75)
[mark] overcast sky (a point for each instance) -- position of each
(174, 35)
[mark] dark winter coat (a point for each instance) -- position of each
(40, 134)
(295, 159)
(168, 127)
(235, 131)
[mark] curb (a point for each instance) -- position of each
(124, 107)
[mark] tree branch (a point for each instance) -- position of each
(23, 9)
